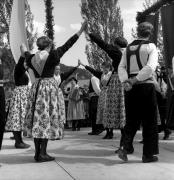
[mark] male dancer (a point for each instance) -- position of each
(136, 70)
(94, 91)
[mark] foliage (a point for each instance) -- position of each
(49, 30)
(104, 20)
(5, 14)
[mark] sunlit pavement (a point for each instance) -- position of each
(83, 157)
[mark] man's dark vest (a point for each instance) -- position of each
(135, 52)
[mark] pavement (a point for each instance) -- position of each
(83, 157)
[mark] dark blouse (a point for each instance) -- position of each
(53, 58)
(96, 73)
(20, 75)
(113, 51)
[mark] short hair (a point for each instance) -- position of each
(44, 42)
(121, 41)
(144, 29)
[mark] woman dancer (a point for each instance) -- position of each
(18, 103)
(76, 110)
(60, 77)
(43, 118)
(114, 112)
(104, 77)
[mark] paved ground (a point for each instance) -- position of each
(83, 157)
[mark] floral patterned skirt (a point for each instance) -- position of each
(17, 109)
(101, 105)
(45, 110)
(114, 113)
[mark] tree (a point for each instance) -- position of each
(104, 19)
(5, 14)
(49, 30)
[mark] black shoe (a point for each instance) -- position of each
(45, 158)
(149, 159)
(106, 136)
(117, 150)
(78, 129)
(127, 151)
(122, 155)
(99, 131)
(21, 145)
(166, 135)
(73, 129)
(92, 133)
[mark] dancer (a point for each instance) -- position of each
(43, 119)
(76, 110)
(60, 77)
(104, 77)
(114, 112)
(135, 71)
(94, 92)
(170, 98)
(2, 102)
(161, 93)
(18, 103)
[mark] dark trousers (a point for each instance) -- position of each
(93, 113)
(141, 108)
(2, 114)
(162, 103)
(170, 111)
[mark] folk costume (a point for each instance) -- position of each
(76, 111)
(43, 118)
(140, 60)
(104, 78)
(60, 78)
(170, 99)
(114, 112)
(94, 92)
(18, 104)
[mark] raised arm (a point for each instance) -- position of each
(112, 51)
(65, 75)
(62, 49)
(96, 73)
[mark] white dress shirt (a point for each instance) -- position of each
(148, 66)
(96, 85)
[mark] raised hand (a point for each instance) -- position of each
(83, 27)
(23, 49)
(80, 63)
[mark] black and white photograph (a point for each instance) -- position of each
(86, 89)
